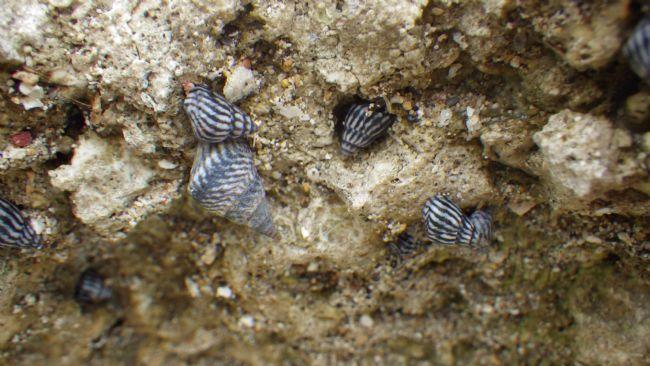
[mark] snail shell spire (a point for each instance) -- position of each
(214, 119)
(482, 221)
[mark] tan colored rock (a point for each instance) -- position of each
(583, 157)
(23, 24)
(107, 184)
(452, 71)
(394, 184)
(139, 44)
(508, 142)
(586, 39)
(637, 108)
(354, 46)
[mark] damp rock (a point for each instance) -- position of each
(389, 184)
(508, 141)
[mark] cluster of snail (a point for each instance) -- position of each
(17, 232)
(225, 181)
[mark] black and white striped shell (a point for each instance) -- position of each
(225, 182)
(15, 230)
(404, 245)
(445, 223)
(637, 49)
(363, 124)
(482, 221)
(91, 289)
(214, 119)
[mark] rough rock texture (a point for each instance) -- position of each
(585, 157)
(108, 183)
(524, 107)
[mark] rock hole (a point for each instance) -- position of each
(58, 160)
(74, 122)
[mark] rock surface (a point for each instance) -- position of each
(523, 107)
(585, 157)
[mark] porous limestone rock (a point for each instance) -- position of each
(585, 35)
(107, 183)
(509, 141)
(24, 25)
(395, 188)
(584, 157)
(351, 44)
(470, 82)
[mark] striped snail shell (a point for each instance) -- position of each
(443, 219)
(363, 124)
(91, 288)
(15, 230)
(404, 245)
(224, 181)
(445, 223)
(637, 49)
(482, 221)
(214, 119)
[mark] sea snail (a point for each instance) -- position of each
(214, 119)
(637, 49)
(363, 124)
(15, 230)
(91, 289)
(404, 245)
(224, 181)
(445, 223)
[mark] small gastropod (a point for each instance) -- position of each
(403, 246)
(214, 119)
(445, 223)
(91, 289)
(224, 181)
(363, 124)
(15, 230)
(637, 49)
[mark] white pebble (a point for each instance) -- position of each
(240, 84)
(192, 287)
(225, 292)
(166, 164)
(60, 3)
(247, 321)
(444, 118)
(366, 321)
(26, 77)
(304, 231)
